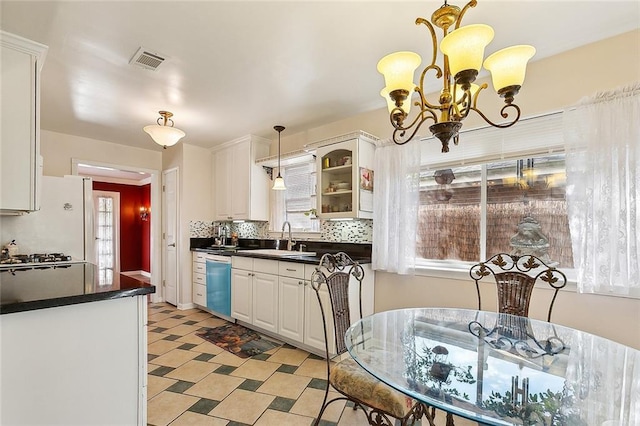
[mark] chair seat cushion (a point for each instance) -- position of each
(349, 378)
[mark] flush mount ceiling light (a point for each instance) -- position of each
(463, 50)
(278, 183)
(164, 133)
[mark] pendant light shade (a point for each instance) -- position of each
(278, 183)
(164, 133)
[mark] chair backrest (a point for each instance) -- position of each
(335, 271)
(515, 277)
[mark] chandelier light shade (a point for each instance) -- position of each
(463, 48)
(278, 183)
(164, 133)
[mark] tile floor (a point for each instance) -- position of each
(193, 382)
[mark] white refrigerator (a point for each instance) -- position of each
(64, 223)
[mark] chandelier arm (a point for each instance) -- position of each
(472, 3)
(421, 118)
(424, 103)
(434, 41)
(503, 114)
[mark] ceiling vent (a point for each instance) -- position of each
(146, 59)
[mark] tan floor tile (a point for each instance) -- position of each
(192, 371)
(227, 358)
(279, 418)
(312, 368)
(198, 316)
(167, 406)
(170, 322)
(161, 347)
(351, 417)
(215, 386)
(191, 338)
(174, 358)
(284, 385)
(195, 419)
(182, 330)
(191, 311)
(206, 347)
(256, 370)
(156, 384)
(289, 356)
(243, 406)
(151, 367)
(154, 337)
(155, 318)
(211, 323)
(310, 401)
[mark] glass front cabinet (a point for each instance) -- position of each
(345, 176)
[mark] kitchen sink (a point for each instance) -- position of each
(283, 253)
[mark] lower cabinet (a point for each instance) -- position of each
(277, 296)
(254, 292)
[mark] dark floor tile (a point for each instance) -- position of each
(151, 357)
(167, 311)
(172, 337)
(250, 385)
(191, 323)
(261, 357)
(180, 386)
(204, 357)
(178, 316)
(327, 423)
(349, 404)
(225, 369)
(317, 384)
(285, 368)
(159, 330)
(282, 404)
(204, 406)
(316, 357)
(187, 346)
(288, 346)
(161, 371)
(237, 424)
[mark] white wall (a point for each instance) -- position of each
(551, 85)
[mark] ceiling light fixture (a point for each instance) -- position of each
(463, 50)
(278, 183)
(164, 133)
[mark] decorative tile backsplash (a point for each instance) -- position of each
(352, 231)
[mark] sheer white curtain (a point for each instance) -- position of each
(395, 206)
(602, 136)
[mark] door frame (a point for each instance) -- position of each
(178, 235)
(116, 227)
(155, 219)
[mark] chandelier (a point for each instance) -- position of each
(164, 133)
(463, 50)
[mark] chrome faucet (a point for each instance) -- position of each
(290, 241)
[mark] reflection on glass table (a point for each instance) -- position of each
(499, 369)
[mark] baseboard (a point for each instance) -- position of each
(139, 272)
(185, 306)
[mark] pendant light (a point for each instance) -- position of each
(278, 183)
(164, 133)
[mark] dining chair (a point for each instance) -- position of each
(382, 404)
(515, 277)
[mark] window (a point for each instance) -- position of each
(471, 212)
(300, 197)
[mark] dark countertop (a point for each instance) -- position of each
(357, 251)
(27, 288)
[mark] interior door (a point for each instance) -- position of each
(170, 235)
(106, 207)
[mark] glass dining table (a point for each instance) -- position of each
(500, 369)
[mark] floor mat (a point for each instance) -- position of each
(238, 340)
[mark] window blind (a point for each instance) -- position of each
(300, 180)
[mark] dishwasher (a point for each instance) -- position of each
(218, 282)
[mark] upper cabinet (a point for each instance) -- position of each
(240, 187)
(20, 165)
(345, 176)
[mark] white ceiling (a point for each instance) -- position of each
(239, 67)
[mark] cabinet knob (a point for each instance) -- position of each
(300, 283)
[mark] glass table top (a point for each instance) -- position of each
(500, 369)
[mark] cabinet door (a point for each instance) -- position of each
(313, 327)
(221, 185)
(241, 295)
(18, 141)
(338, 180)
(241, 180)
(265, 301)
(291, 308)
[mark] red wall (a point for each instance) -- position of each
(135, 233)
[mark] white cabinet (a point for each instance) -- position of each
(254, 292)
(20, 166)
(345, 176)
(199, 279)
(241, 188)
(292, 285)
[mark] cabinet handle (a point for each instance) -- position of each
(300, 283)
(291, 270)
